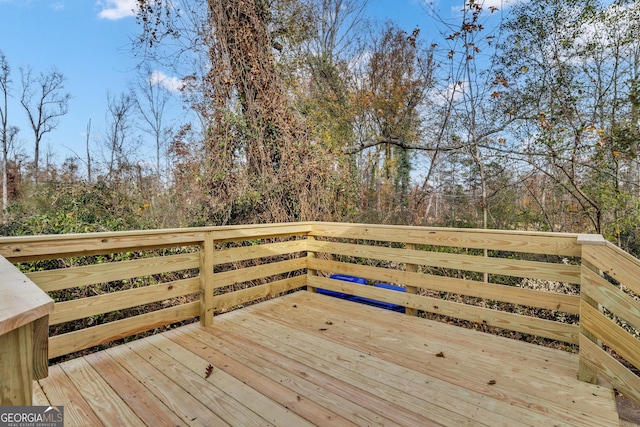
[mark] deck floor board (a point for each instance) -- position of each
(308, 359)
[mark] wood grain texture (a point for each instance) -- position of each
(246, 274)
(229, 300)
(307, 359)
(61, 391)
(16, 367)
(244, 253)
(207, 254)
(30, 248)
(65, 278)
(616, 374)
(610, 333)
(67, 311)
(500, 319)
(41, 348)
(21, 300)
(611, 297)
(510, 294)
(508, 267)
(131, 391)
(616, 263)
(563, 244)
(412, 268)
(105, 402)
(60, 345)
(186, 406)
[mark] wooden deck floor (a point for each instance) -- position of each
(309, 359)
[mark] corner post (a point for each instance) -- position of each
(207, 248)
(586, 371)
(411, 289)
(24, 335)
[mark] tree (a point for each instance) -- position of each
(44, 102)
(577, 64)
(151, 102)
(5, 80)
(391, 98)
(260, 158)
(118, 134)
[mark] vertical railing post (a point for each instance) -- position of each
(310, 271)
(586, 371)
(411, 289)
(207, 248)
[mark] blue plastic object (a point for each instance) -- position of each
(361, 300)
(347, 278)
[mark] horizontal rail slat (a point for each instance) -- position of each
(616, 263)
(71, 342)
(510, 294)
(562, 244)
(507, 267)
(621, 378)
(227, 278)
(84, 245)
(515, 322)
(249, 232)
(245, 253)
(243, 296)
(65, 278)
(30, 248)
(611, 334)
(612, 298)
(68, 311)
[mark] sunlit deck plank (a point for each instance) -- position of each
(307, 359)
(556, 395)
(145, 404)
(186, 406)
(222, 404)
(309, 383)
(104, 401)
(277, 391)
(235, 389)
(59, 390)
(437, 400)
(39, 398)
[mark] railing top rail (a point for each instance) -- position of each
(222, 229)
(562, 244)
(23, 248)
(22, 301)
(453, 230)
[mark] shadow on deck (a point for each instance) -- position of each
(309, 359)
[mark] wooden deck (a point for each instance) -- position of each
(308, 359)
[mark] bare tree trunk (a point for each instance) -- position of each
(88, 152)
(5, 71)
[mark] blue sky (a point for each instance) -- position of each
(89, 42)
(92, 52)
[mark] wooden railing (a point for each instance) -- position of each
(168, 276)
(110, 286)
(443, 272)
(610, 318)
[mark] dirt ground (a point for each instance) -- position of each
(628, 411)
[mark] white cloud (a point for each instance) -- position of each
(487, 5)
(57, 6)
(450, 94)
(172, 84)
(116, 9)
